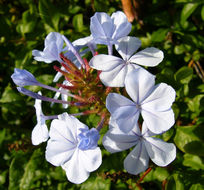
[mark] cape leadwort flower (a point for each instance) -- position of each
(152, 101)
(53, 48)
(107, 30)
(74, 147)
(146, 146)
(114, 69)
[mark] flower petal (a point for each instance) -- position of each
(158, 122)
(114, 77)
(58, 151)
(148, 57)
(72, 123)
(75, 169)
(126, 46)
(62, 131)
(114, 101)
(39, 134)
(160, 99)
(91, 159)
(139, 84)
(105, 62)
(160, 152)
(137, 160)
(101, 27)
(54, 37)
(115, 140)
(122, 26)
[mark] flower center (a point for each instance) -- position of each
(138, 106)
(88, 139)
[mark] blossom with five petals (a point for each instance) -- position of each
(152, 101)
(114, 69)
(74, 147)
(107, 30)
(146, 146)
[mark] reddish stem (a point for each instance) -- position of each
(143, 176)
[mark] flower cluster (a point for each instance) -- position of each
(93, 86)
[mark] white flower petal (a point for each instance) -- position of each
(114, 101)
(57, 76)
(115, 140)
(58, 151)
(160, 152)
(74, 124)
(139, 84)
(101, 27)
(128, 45)
(105, 62)
(75, 169)
(63, 131)
(122, 26)
(146, 132)
(148, 57)
(39, 134)
(91, 159)
(158, 122)
(160, 99)
(123, 110)
(40, 56)
(126, 118)
(137, 160)
(114, 77)
(54, 37)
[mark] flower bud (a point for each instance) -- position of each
(23, 78)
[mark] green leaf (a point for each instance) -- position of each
(96, 183)
(29, 22)
(10, 95)
(160, 174)
(197, 187)
(16, 170)
(2, 136)
(49, 15)
(186, 12)
(167, 135)
(193, 161)
(78, 22)
(189, 139)
(159, 35)
(195, 106)
(33, 170)
(175, 183)
(184, 75)
(202, 13)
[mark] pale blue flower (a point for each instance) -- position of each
(73, 147)
(53, 48)
(115, 69)
(152, 101)
(107, 30)
(146, 146)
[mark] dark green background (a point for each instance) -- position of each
(174, 26)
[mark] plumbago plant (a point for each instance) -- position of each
(115, 86)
